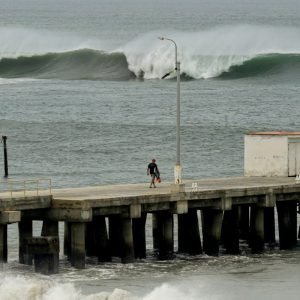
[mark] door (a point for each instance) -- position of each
(294, 157)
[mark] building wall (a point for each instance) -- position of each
(266, 155)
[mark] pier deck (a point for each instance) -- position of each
(121, 195)
(108, 221)
(139, 190)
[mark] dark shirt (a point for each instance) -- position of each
(152, 167)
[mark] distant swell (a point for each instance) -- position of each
(79, 64)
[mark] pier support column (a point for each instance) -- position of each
(287, 222)
(269, 221)
(45, 251)
(97, 243)
(127, 250)
(103, 249)
(3, 243)
(114, 225)
(212, 224)
(244, 222)
(257, 230)
(165, 235)
(67, 240)
(139, 236)
(25, 231)
(230, 230)
(50, 228)
(155, 231)
(90, 238)
(189, 240)
(78, 245)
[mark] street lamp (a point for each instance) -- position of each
(177, 168)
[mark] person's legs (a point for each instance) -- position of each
(152, 180)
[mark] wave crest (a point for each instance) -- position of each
(78, 64)
(227, 52)
(97, 65)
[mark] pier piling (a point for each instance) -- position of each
(127, 250)
(230, 230)
(101, 239)
(287, 221)
(244, 222)
(45, 251)
(139, 236)
(165, 227)
(3, 243)
(269, 224)
(155, 236)
(78, 245)
(25, 231)
(115, 237)
(189, 240)
(67, 240)
(212, 225)
(257, 237)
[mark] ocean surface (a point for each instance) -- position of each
(82, 102)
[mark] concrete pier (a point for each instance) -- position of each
(230, 231)
(287, 220)
(45, 251)
(189, 240)
(115, 235)
(67, 240)
(110, 221)
(97, 242)
(139, 236)
(25, 231)
(244, 221)
(165, 225)
(127, 247)
(212, 225)
(3, 243)
(269, 226)
(155, 231)
(257, 233)
(78, 245)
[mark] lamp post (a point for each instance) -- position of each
(177, 168)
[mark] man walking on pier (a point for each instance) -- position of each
(153, 172)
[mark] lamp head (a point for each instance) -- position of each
(161, 38)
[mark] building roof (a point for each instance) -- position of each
(277, 133)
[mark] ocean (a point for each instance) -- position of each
(83, 103)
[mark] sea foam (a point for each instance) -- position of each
(22, 288)
(44, 288)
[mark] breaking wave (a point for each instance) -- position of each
(22, 288)
(90, 64)
(225, 53)
(78, 64)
